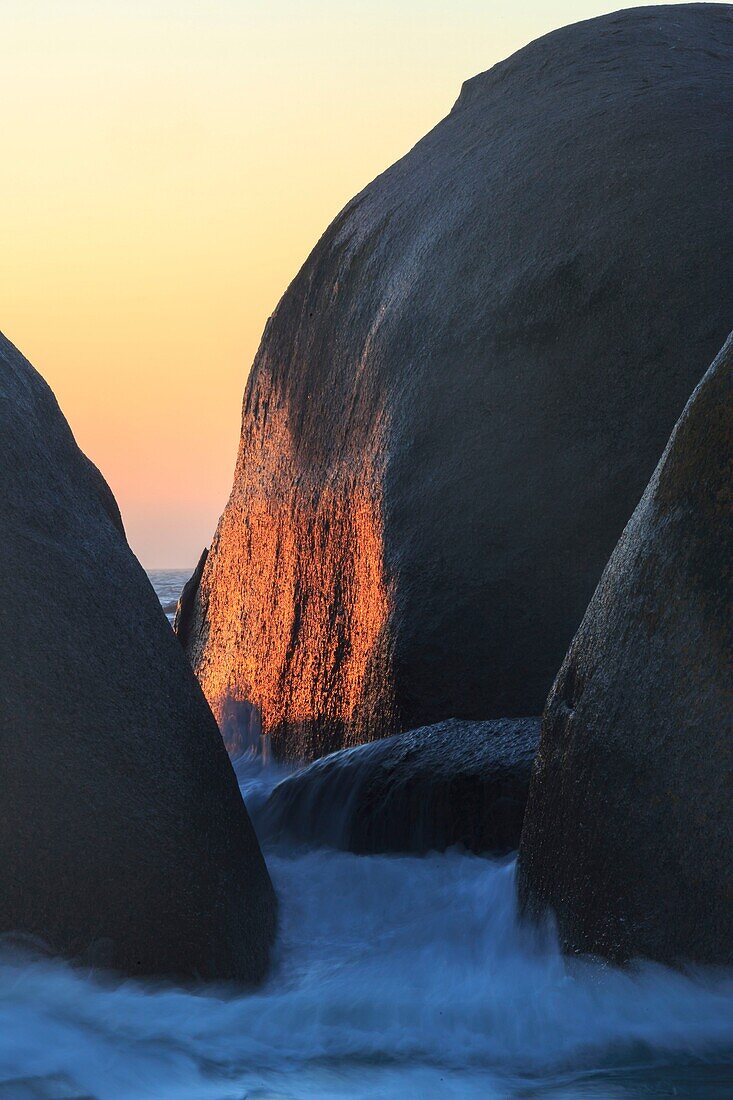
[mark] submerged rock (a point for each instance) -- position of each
(452, 783)
(629, 828)
(460, 398)
(123, 836)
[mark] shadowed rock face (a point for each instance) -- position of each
(187, 600)
(452, 783)
(460, 398)
(629, 827)
(123, 836)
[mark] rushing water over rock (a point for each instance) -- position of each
(426, 790)
(395, 977)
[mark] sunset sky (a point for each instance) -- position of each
(167, 167)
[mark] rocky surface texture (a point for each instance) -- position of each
(629, 828)
(187, 601)
(462, 395)
(453, 783)
(123, 837)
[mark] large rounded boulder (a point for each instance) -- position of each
(462, 395)
(628, 833)
(124, 840)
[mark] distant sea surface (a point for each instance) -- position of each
(395, 978)
(168, 584)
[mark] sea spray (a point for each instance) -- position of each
(394, 977)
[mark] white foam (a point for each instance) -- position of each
(395, 977)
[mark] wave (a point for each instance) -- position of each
(394, 977)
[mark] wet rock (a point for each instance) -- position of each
(453, 783)
(123, 837)
(462, 395)
(629, 827)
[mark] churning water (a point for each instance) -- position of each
(395, 977)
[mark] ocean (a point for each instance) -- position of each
(168, 584)
(394, 977)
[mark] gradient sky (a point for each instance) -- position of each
(167, 167)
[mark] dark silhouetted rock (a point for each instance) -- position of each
(187, 600)
(628, 836)
(453, 783)
(461, 397)
(123, 836)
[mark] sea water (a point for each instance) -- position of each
(394, 977)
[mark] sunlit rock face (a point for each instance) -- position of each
(460, 398)
(629, 827)
(297, 605)
(124, 841)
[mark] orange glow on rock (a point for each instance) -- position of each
(297, 608)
